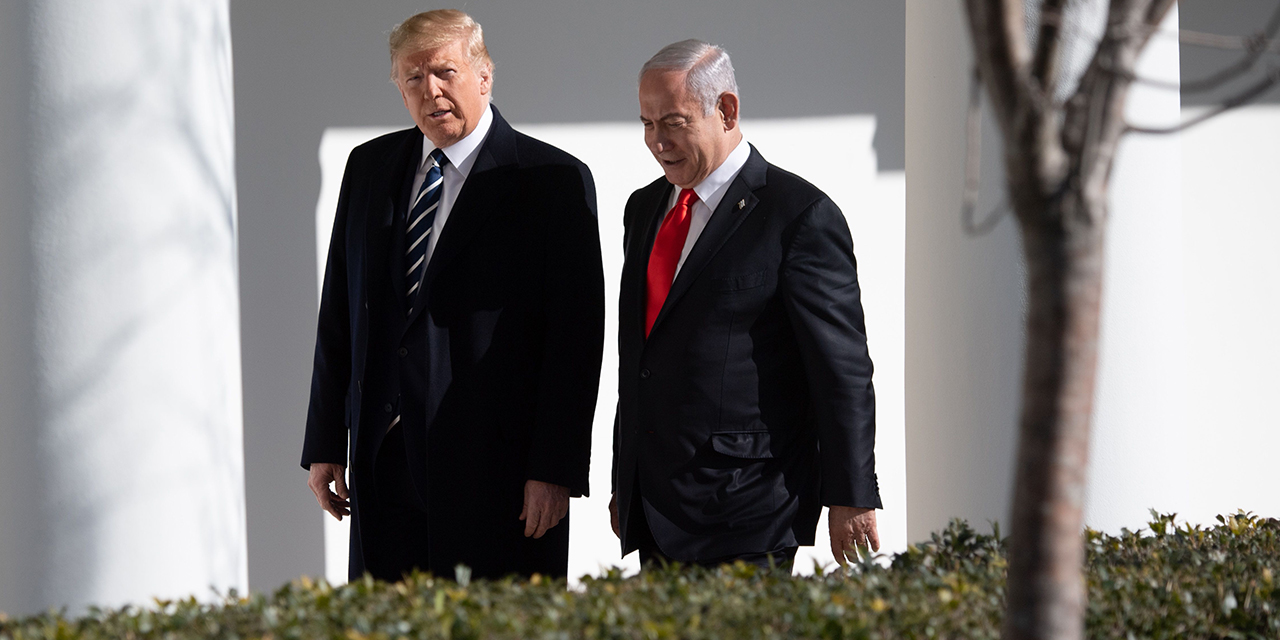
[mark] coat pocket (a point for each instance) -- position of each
(739, 283)
(752, 445)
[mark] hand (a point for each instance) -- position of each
(322, 473)
(853, 530)
(545, 505)
(613, 516)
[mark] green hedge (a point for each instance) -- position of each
(1168, 582)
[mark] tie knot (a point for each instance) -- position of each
(438, 158)
(687, 198)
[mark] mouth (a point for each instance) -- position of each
(671, 163)
(436, 115)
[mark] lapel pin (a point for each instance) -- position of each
(742, 203)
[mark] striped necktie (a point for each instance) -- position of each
(422, 215)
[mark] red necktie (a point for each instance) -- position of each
(667, 248)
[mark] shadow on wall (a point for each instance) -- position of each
(1230, 18)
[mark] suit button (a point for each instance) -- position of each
(644, 374)
(403, 352)
(386, 408)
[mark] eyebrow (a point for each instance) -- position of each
(670, 114)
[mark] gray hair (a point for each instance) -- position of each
(710, 72)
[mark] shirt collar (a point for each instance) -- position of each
(712, 188)
(462, 154)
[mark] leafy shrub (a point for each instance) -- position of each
(1173, 582)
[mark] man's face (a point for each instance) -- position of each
(443, 93)
(687, 143)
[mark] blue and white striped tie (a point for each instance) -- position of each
(422, 215)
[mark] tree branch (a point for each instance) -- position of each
(1023, 107)
(1093, 118)
(1044, 65)
(1218, 41)
(1000, 50)
(1255, 47)
(1242, 98)
(1157, 11)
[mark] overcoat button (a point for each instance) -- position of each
(403, 352)
(386, 407)
(644, 373)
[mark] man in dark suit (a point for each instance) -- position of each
(463, 371)
(745, 398)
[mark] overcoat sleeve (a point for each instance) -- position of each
(327, 414)
(573, 297)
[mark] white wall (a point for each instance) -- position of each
(1231, 274)
(836, 155)
(134, 487)
(1182, 417)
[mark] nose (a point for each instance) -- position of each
(659, 143)
(432, 87)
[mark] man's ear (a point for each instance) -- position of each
(486, 79)
(728, 108)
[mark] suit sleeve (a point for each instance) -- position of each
(327, 414)
(573, 343)
(617, 413)
(820, 288)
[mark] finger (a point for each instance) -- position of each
(340, 482)
(322, 494)
(545, 521)
(874, 538)
(532, 511)
(332, 511)
(837, 550)
(613, 517)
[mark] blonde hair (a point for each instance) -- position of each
(433, 29)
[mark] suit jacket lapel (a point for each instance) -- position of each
(487, 185)
(724, 221)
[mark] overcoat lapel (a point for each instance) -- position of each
(392, 179)
(724, 221)
(486, 187)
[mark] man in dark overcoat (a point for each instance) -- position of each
(460, 329)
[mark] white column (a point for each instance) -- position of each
(964, 294)
(135, 484)
(1143, 448)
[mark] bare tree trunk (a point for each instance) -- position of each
(1058, 159)
(1064, 255)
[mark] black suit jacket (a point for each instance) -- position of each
(750, 404)
(495, 376)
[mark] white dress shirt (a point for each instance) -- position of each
(710, 192)
(462, 155)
